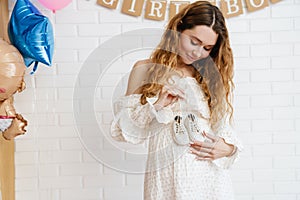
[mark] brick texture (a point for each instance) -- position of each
(54, 161)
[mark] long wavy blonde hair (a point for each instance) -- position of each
(214, 73)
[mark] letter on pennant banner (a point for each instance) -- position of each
(108, 3)
(275, 1)
(132, 7)
(253, 5)
(176, 6)
(155, 10)
(231, 8)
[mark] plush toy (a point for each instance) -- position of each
(12, 70)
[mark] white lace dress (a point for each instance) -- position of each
(172, 172)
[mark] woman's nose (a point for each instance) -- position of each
(198, 52)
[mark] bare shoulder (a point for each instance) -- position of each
(142, 64)
(140, 68)
(138, 76)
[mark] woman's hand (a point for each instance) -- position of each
(215, 149)
(168, 95)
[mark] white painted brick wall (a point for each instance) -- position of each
(53, 164)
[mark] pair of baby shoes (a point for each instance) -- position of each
(186, 130)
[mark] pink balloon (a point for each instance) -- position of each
(55, 4)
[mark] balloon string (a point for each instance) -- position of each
(36, 63)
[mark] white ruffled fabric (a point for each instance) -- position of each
(172, 172)
(226, 131)
(132, 119)
(5, 124)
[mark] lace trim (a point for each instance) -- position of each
(227, 133)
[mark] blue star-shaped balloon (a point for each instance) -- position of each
(31, 33)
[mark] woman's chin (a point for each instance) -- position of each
(187, 61)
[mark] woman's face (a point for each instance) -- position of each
(196, 43)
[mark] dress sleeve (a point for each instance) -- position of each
(226, 131)
(132, 119)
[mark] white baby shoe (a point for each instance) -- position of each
(180, 134)
(194, 131)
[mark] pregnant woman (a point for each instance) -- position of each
(179, 101)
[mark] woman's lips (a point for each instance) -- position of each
(2, 90)
(191, 58)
